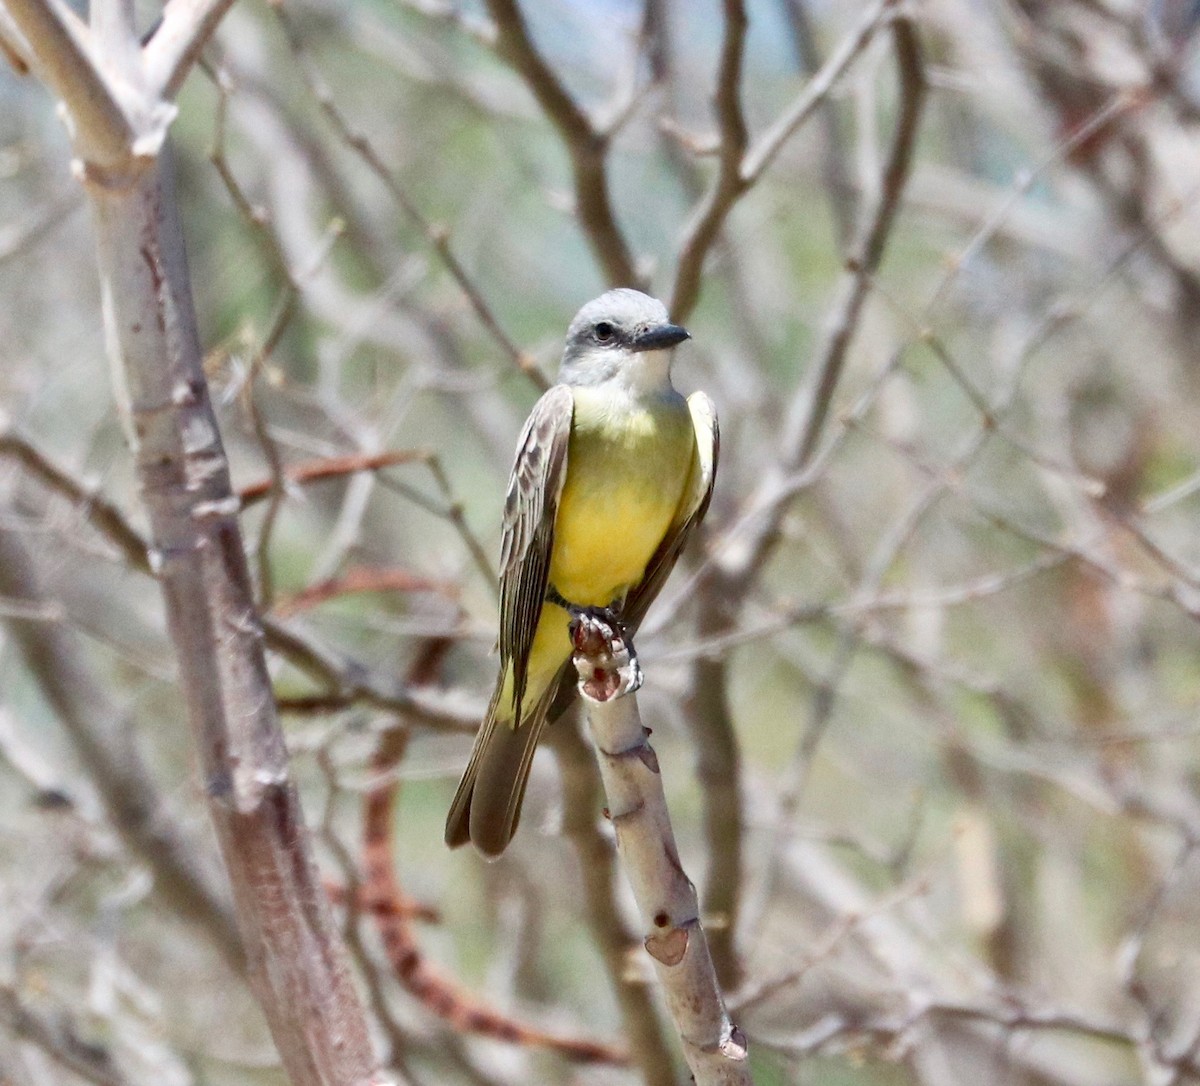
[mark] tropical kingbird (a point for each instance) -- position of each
(614, 469)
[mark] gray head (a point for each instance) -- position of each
(623, 334)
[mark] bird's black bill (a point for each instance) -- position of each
(659, 338)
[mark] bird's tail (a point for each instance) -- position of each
(487, 805)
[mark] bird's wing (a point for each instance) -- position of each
(530, 507)
(691, 511)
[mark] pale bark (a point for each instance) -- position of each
(715, 1049)
(297, 962)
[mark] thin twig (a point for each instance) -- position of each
(772, 141)
(332, 467)
(836, 176)
(348, 682)
(137, 809)
(438, 236)
(809, 412)
(363, 579)
(59, 1040)
(814, 399)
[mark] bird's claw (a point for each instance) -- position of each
(604, 656)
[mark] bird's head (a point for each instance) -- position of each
(624, 335)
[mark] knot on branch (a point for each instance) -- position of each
(119, 176)
(735, 1046)
(668, 947)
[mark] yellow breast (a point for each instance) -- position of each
(627, 465)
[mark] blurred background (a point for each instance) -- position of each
(925, 693)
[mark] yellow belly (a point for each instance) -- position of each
(626, 471)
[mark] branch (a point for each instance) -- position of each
(100, 513)
(834, 170)
(437, 235)
(62, 58)
(364, 579)
(616, 943)
(586, 145)
(729, 183)
(170, 54)
(714, 1048)
(719, 773)
(349, 681)
(332, 467)
(13, 45)
(298, 965)
(740, 169)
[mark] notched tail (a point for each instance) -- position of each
(487, 806)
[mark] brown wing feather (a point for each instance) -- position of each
(530, 507)
(487, 804)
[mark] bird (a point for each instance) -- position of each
(614, 470)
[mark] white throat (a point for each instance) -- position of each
(638, 375)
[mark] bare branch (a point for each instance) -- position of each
(298, 966)
(834, 167)
(364, 579)
(587, 146)
(437, 235)
(812, 406)
(714, 1048)
(57, 40)
(333, 467)
(114, 38)
(616, 943)
(719, 769)
(170, 54)
(105, 517)
(350, 682)
(814, 398)
(13, 45)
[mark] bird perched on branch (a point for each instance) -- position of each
(614, 469)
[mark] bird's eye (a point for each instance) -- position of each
(604, 332)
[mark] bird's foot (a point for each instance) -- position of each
(604, 656)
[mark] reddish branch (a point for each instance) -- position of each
(363, 579)
(398, 904)
(332, 467)
(392, 911)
